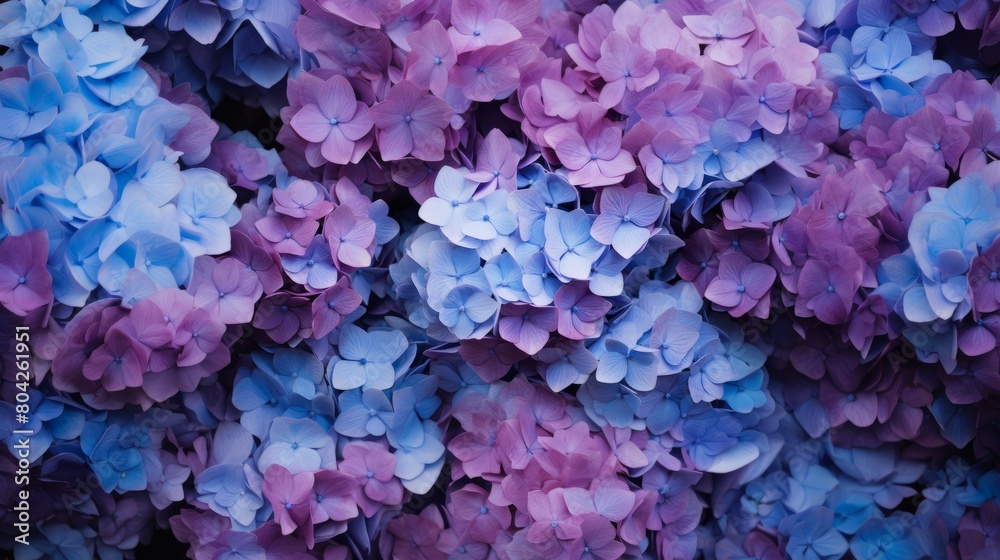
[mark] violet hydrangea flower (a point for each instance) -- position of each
(25, 284)
(742, 286)
(411, 122)
(338, 123)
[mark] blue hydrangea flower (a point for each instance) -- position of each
(635, 365)
(299, 445)
(232, 490)
(206, 211)
(727, 156)
(363, 413)
(505, 277)
(488, 218)
(28, 107)
(449, 267)
(811, 536)
(453, 194)
(418, 463)
(886, 539)
(298, 371)
(115, 455)
(366, 358)
(261, 397)
(891, 56)
(569, 247)
(539, 281)
(468, 312)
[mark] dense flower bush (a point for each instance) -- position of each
(504, 279)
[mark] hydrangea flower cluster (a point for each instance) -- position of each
(513, 279)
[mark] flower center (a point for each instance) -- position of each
(741, 288)
(21, 280)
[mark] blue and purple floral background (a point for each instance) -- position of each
(502, 279)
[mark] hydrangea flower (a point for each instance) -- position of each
(298, 445)
(366, 358)
(26, 284)
(591, 150)
(742, 286)
(226, 289)
(625, 217)
(411, 122)
(338, 123)
(468, 312)
(569, 246)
